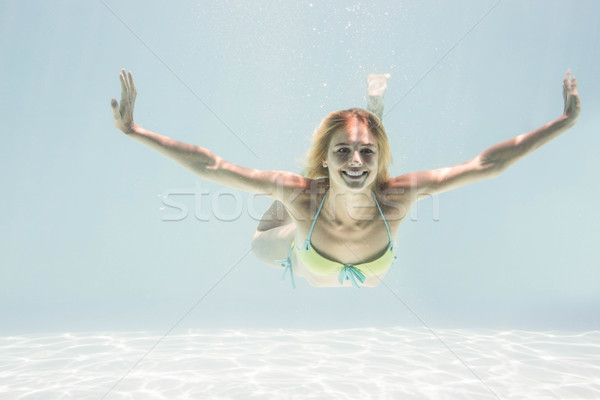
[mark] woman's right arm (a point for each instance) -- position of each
(202, 162)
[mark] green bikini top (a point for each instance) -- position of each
(320, 265)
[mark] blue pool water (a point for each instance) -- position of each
(104, 237)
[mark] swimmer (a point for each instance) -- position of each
(336, 224)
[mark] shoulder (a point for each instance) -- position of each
(303, 199)
(399, 186)
(419, 183)
(397, 196)
(408, 181)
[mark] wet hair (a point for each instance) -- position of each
(340, 119)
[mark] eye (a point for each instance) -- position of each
(343, 150)
(367, 151)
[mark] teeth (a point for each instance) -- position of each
(356, 173)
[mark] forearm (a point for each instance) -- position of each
(209, 166)
(506, 153)
(200, 161)
(195, 158)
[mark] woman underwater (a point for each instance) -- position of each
(336, 226)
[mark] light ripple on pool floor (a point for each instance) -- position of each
(391, 363)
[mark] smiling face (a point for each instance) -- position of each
(352, 157)
(357, 129)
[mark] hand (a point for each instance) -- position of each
(571, 97)
(124, 113)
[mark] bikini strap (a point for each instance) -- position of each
(382, 217)
(307, 241)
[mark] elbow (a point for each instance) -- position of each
(492, 168)
(496, 169)
(206, 167)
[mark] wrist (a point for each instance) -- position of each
(133, 129)
(569, 119)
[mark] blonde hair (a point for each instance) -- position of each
(340, 119)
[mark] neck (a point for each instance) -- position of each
(350, 206)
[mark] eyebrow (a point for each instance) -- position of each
(346, 144)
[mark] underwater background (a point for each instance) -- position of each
(103, 237)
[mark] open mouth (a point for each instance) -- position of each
(354, 174)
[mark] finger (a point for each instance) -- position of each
(123, 88)
(566, 80)
(129, 79)
(123, 78)
(132, 85)
(115, 107)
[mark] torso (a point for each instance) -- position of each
(353, 242)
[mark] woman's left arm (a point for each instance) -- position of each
(499, 157)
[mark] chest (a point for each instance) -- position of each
(348, 243)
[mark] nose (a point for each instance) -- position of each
(356, 160)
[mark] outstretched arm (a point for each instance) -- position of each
(201, 161)
(499, 157)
